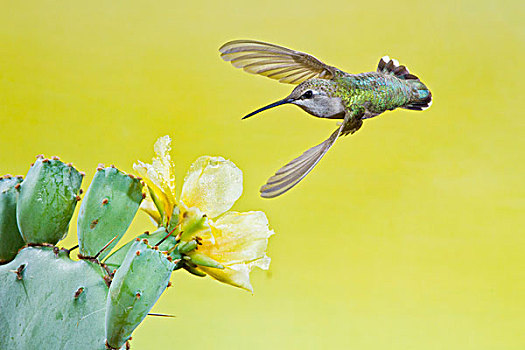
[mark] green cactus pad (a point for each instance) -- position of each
(117, 257)
(49, 301)
(47, 200)
(137, 284)
(107, 210)
(9, 233)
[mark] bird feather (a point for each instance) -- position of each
(261, 58)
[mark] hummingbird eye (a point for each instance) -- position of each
(308, 94)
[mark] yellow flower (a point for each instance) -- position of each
(230, 244)
(160, 178)
(240, 244)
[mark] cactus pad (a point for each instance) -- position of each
(49, 301)
(10, 237)
(47, 199)
(137, 285)
(107, 210)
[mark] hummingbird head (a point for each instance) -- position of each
(315, 96)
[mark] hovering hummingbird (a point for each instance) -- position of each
(325, 92)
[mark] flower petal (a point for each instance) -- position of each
(164, 166)
(150, 177)
(160, 177)
(149, 207)
(236, 275)
(212, 184)
(239, 238)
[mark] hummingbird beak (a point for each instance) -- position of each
(271, 105)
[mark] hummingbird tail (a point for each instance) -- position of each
(421, 97)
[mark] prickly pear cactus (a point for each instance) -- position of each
(10, 238)
(48, 300)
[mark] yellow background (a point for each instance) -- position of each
(408, 235)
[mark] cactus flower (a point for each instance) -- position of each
(160, 178)
(223, 244)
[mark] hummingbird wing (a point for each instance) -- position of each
(293, 172)
(276, 62)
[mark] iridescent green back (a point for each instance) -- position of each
(376, 92)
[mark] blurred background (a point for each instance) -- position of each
(408, 235)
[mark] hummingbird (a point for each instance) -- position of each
(325, 92)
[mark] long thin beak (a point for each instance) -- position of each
(271, 105)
